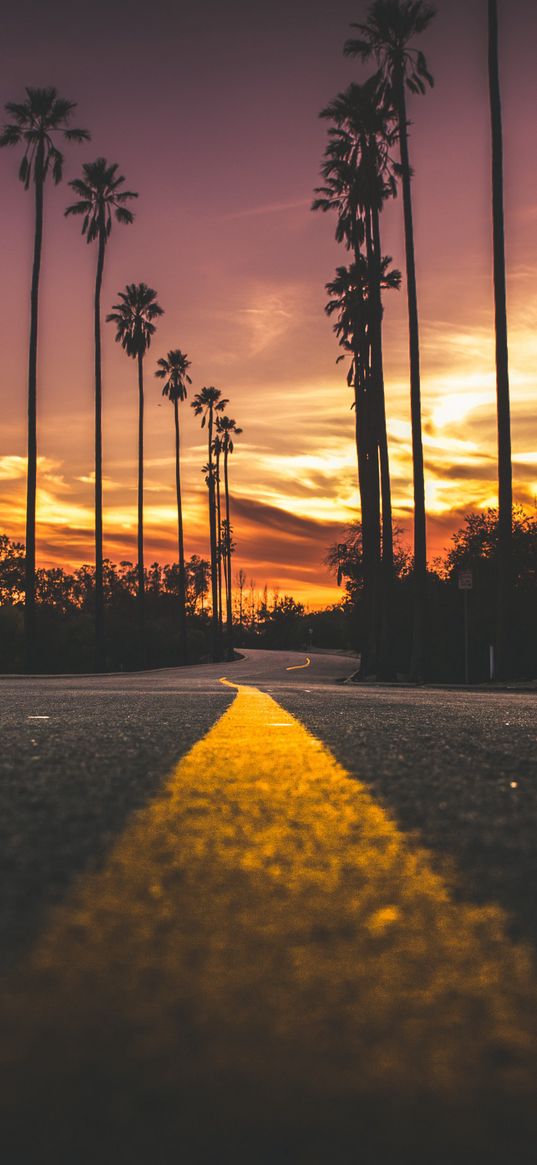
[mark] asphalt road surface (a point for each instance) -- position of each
(272, 919)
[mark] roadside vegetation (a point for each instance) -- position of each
(65, 605)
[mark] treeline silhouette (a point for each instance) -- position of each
(65, 602)
(38, 124)
(476, 548)
(65, 607)
(366, 162)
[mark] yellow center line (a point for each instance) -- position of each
(300, 666)
(264, 920)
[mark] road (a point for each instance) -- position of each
(251, 914)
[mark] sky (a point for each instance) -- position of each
(211, 110)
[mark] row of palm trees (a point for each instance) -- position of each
(360, 175)
(37, 124)
(221, 429)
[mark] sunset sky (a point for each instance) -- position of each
(210, 109)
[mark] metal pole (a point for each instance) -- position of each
(466, 651)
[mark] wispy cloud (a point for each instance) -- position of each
(266, 322)
(13, 467)
(267, 208)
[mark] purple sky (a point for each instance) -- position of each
(211, 111)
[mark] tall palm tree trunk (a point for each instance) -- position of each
(369, 498)
(229, 594)
(374, 388)
(219, 540)
(386, 666)
(31, 484)
(141, 571)
(385, 480)
(224, 564)
(99, 592)
(373, 507)
(505, 471)
(419, 646)
(215, 620)
(360, 420)
(182, 581)
(361, 458)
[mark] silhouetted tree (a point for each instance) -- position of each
(282, 624)
(11, 571)
(205, 404)
(198, 576)
(387, 36)
(505, 470)
(240, 581)
(360, 174)
(173, 369)
(36, 124)
(217, 450)
(133, 317)
(478, 542)
(345, 559)
(349, 301)
(99, 200)
(227, 429)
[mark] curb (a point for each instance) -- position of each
(406, 685)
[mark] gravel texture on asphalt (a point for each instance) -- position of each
(258, 913)
(263, 965)
(458, 768)
(69, 782)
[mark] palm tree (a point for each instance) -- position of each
(360, 175)
(505, 470)
(205, 404)
(133, 317)
(173, 369)
(350, 295)
(217, 450)
(227, 429)
(387, 36)
(36, 124)
(99, 200)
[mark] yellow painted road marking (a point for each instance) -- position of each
(300, 666)
(263, 925)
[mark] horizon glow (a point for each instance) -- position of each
(225, 153)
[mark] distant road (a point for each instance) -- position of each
(224, 941)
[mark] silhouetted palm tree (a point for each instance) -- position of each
(360, 174)
(133, 317)
(350, 294)
(174, 371)
(36, 124)
(205, 404)
(387, 36)
(100, 199)
(217, 449)
(505, 470)
(227, 429)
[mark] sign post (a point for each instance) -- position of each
(466, 583)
